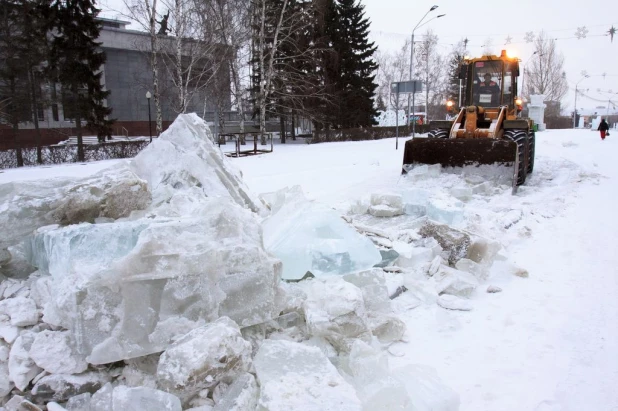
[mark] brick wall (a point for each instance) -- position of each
(27, 137)
(50, 136)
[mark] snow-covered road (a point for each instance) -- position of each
(547, 342)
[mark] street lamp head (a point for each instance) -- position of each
(441, 15)
(148, 95)
(433, 8)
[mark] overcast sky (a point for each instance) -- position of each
(392, 22)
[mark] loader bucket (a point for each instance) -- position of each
(450, 152)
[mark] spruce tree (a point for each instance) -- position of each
(324, 67)
(22, 52)
(34, 45)
(76, 60)
(355, 67)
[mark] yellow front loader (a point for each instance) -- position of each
(488, 128)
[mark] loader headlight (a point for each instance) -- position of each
(519, 103)
(449, 105)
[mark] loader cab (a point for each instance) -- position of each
(491, 81)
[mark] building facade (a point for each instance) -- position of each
(127, 74)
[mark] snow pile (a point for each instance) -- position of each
(160, 292)
(127, 262)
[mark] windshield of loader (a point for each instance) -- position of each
(487, 83)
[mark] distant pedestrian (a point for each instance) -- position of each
(603, 127)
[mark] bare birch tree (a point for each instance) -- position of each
(266, 52)
(545, 72)
(230, 20)
(393, 67)
(144, 13)
(430, 69)
(286, 58)
(297, 84)
(191, 55)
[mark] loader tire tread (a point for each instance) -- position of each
(438, 133)
(520, 137)
(531, 144)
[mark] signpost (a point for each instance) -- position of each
(405, 87)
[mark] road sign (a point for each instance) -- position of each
(415, 86)
(404, 87)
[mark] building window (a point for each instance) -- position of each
(54, 99)
(40, 112)
(68, 105)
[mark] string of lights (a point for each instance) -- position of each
(583, 93)
(579, 33)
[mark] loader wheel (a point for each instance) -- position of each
(438, 133)
(521, 138)
(531, 143)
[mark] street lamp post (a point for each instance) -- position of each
(575, 105)
(148, 95)
(412, 65)
(525, 73)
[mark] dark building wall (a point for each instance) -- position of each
(128, 76)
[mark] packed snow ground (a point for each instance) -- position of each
(546, 342)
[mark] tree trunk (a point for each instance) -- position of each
(221, 117)
(154, 60)
(15, 121)
(293, 127)
(182, 92)
(157, 96)
(35, 116)
(262, 91)
(282, 128)
(426, 101)
(262, 122)
(267, 74)
(238, 90)
(80, 140)
(182, 98)
(19, 154)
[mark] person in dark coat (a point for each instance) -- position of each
(489, 87)
(603, 127)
